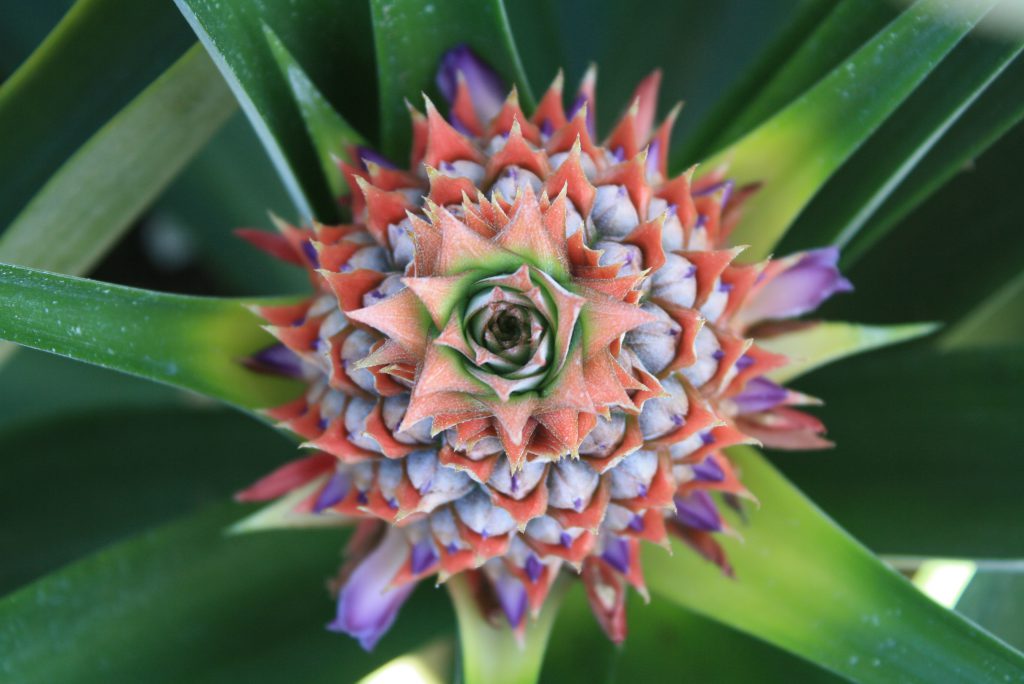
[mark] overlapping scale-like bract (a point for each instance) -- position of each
(526, 353)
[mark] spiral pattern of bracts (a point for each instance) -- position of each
(527, 353)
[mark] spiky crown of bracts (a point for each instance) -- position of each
(528, 351)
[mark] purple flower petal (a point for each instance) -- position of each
(653, 156)
(577, 105)
(457, 124)
(799, 289)
(708, 470)
(533, 568)
(368, 604)
(310, 251)
(616, 553)
(423, 557)
(277, 359)
(368, 154)
(511, 597)
(333, 492)
(760, 394)
(698, 510)
(486, 89)
(725, 186)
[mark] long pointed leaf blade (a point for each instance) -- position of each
(190, 342)
(997, 321)
(916, 277)
(331, 41)
(270, 115)
(103, 188)
(822, 343)
(330, 133)
(803, 584)
(835, 37)
(998, 110)
(993, 599)
(735, 103)
(849, 202)
(411, 36)
(100, 56)
(798, 149)
(186, 604)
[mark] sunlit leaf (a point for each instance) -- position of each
(189, 342)
(184, 603)
(849, 202)
(811, 48)
(101, 54)
(822, 343)
(101, 190)
(411, 36)
(796, 151)
(803, 584)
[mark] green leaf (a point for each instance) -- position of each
(121, 469)
(924, 458)
(331, 134)
(410, 37)
(329, 39)
(823, 342)
(664, 644)
(993, 599)
(184, 603)
(101, 54)
(190, 342)
(848, 202)
(918, 272)
(22, 32)
(702, 52)
(798, 149)
(998, 321)
(999, 109)
(795, 66)
(103, 188)
(804, 585)
(70, 387)
(492, 654)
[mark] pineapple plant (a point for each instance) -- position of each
(529, 357)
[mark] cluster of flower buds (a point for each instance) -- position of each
(527, 352)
